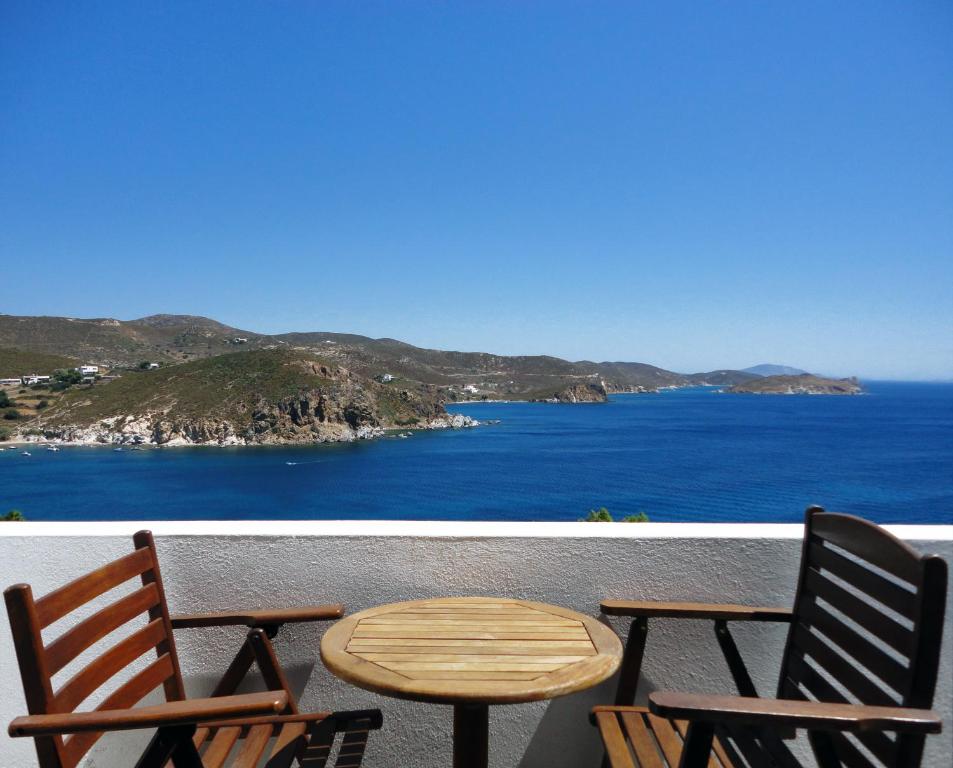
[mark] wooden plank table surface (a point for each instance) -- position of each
(471, 652)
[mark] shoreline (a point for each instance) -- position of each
(122, 441)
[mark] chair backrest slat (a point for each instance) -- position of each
(868, 617)
(841, 668)
(40, 660)
(808, 678)
(896, 595)
(73, 642)
(69, 597)
(130, 693)
(849, 755)
(860, 611)
(89, 679)
(868, 542)
(889, 669)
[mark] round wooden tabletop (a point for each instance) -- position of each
(464, 650)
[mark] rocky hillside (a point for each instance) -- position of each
(591, 392)
(117, 343)
(17, 362)
(266, 396)
(805, 384)
(455, 375)
(180, 338)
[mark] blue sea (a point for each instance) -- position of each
(681, 455)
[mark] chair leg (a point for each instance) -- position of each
(631, 668)
(187, 755)
(236, 671)
(175, 743)
(825, 752)
(736, 664)
(697, 751)
(270, 667)
(353, 742)
(632, 662)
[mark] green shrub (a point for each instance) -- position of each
(602, 515)
(64, 379)
(11, 415)
(42, 404)
(14, 515)
(5, 400)
(5, 433)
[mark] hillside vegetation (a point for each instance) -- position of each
(161, 338)
(19, 362)
(456, 375)
(256, 396)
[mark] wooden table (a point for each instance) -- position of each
(471, 652)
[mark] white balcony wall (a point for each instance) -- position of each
(214, 566)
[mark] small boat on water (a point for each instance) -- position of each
(26, 453)
(117, 450)
(52, 448)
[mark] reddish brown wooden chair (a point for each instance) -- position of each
(858, 671)
(225, 729)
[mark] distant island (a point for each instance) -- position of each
(182, 379)
(803, 384)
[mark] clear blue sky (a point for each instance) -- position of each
(694, 185)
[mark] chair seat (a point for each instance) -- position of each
(295, 743)
(635, 738)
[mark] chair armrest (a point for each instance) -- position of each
(779, 713)
(650, 608)
(374, 718)
(168, 714)
(262, 618)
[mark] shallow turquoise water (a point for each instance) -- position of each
(682, 455)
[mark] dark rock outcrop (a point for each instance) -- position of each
(589, 392)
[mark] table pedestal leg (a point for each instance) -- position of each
(471, 735)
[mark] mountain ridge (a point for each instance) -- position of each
(174, 339)
(771, 369)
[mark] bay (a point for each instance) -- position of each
(680, 455)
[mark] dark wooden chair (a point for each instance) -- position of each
(858, 671)
(189, 733)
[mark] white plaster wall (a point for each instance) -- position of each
(213, 566)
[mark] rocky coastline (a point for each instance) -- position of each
(158, 430)
(589, 392)
(253, 398)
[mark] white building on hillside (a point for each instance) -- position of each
(88, 370)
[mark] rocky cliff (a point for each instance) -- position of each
(261, 397)
(589, 392)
